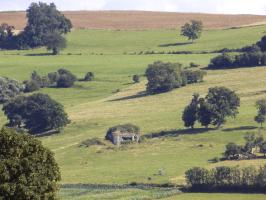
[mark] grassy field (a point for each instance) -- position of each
(95, 106)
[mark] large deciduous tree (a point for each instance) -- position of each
(224, 103)
(27, 169)
(37, 113)
(44, 19)
(192, 30)
(219, 104)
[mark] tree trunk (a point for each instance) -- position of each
(55, 51)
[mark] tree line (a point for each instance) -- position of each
(254, 55)
(227, 179)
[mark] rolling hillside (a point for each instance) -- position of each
(139, 20)
(95, 106)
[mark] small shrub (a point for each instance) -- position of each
(193, 65)
(89, 76)
(193, 76)
(136, 78)
(66, 79)
(92, 142)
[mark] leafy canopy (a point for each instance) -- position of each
(44, 19)
(37, 113)
(192, 30)
(28, 171)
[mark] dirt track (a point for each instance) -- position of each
(136, 20)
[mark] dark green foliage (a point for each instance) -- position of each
(198, 178)
(263, 148)
(192, 30)
(164, 77)
(45, 27)
(262, 43)
(237, 152)
(37, 113)
(190, 113)
(6, 36)
(222, 61)
(193, 65)
(194, 76)
(44, 19)
(232, 151)
(261, 107)
(219, 104)
(55, 42)
(254, 55)
(136, 78)
(224, 103)
(125, 128)
(61, 79)
(9, 89)
(66, 79)
(28, 171)
(89, 76)
(252, 48)
(31, 86)
(204, 113)
(53, 78)
(227, 179)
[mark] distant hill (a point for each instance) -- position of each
(136, 20)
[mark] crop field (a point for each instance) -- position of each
(112, 99)
(140, 20)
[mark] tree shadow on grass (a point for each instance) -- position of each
(176, 133)
(240, 128)
(39, 54)
(138, 95)
(175, 44)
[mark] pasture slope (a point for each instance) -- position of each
(94, 106)
(140, 20)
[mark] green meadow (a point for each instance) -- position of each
(113, 99)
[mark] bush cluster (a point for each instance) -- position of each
(248, 59)
(227, 179)
(9, 89)
(164, 77)
(252, 146)
(61, 79)
(253, 55)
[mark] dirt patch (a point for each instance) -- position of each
(139, 20)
